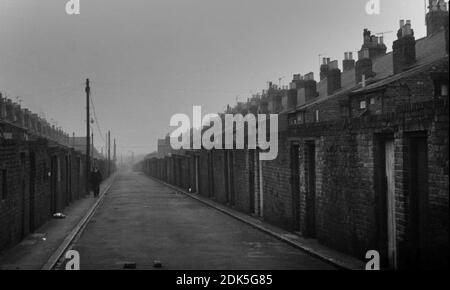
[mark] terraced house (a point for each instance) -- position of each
(42, 171)
(363, 153)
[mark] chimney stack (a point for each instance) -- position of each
(9, 111)
(2, 107)
(348, 63)
(298, 81)
(404, 48)
(437, 16)
(324, 68)
(363, 66)
(264, 107)
(292, 98)
(374, 44)
(334, 77)
(297, 84)
(310, 87)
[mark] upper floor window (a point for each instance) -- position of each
(317, 116)
(363, 105)
(444, 90)
(441, 88)
(301, 117)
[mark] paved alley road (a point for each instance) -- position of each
(141, 221)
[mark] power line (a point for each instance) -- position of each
(96, 120)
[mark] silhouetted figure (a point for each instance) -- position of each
(96, 179)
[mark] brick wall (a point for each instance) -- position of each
(347, 211)
(26, 184)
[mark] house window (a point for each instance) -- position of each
(372, 101)
(4, 184)
(301, 117)
(292, 120)
(441, 88)
(444, 90)
(362, 105)
(317, 116)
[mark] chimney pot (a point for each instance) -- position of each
(333, 65)
(309, 76)
(348, 63)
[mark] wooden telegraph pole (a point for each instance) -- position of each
(109, 153)
(92, 150)
(88, 136)
(114, 154)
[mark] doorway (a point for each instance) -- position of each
(67, 180)
(295, 179)
(417, 167)
(197, 174)
(390, 199)
(310, 167)
(385, 208)
(232, 198)
(23, 187)
(53, 184)
(226, 170)
(32, 222)
(211, 193)
(251, 180)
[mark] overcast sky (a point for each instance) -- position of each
(150, 59)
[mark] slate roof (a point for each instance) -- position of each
(428, 50)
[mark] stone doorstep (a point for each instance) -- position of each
(310, 246)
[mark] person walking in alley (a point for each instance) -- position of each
(96, 179)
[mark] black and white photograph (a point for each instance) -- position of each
(222, 143)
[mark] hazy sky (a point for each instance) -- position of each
(150, 59)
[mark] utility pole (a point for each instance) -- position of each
(92, 149)
(109, 153)
(115, 148)
(106, 146)
(88, 133)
